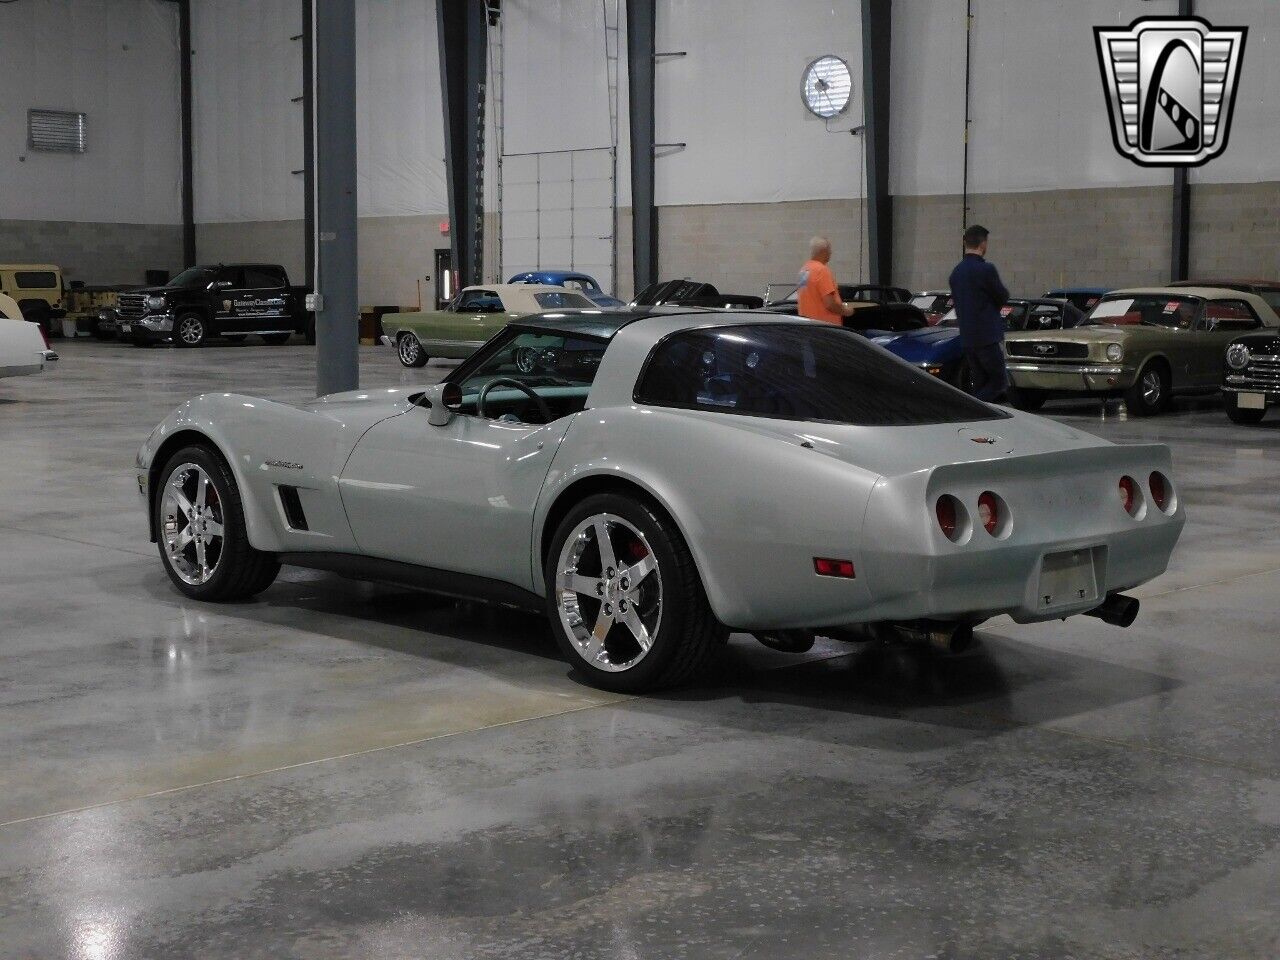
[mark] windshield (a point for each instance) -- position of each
(809, 372)
(192, 277)
(555, 300)
(1148, 309)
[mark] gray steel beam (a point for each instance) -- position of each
(334, 161)
(463, 36)
(188, 178)
(877, 35)
(1180, 252)
(308, 149)
(641, 50)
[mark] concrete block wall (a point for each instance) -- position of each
(395, 252)
(1040, 239)
(117, 253)
(742, 247)
(1235, 230)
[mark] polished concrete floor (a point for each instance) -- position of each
(341, 770)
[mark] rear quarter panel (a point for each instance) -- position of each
(754, 509)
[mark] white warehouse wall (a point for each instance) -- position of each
(758, 174)
(115, 210)
(249, 138)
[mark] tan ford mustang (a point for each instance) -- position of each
(1145, 344)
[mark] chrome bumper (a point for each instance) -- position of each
(1107, 370)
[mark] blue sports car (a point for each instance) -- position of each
(584, 284)
(937, 349)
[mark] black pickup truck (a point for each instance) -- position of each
(228, 300)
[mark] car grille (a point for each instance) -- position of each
(131, 305)
(1264, 371)
(1048, 350)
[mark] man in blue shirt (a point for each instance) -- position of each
(979, 295)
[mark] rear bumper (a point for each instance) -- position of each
(1070, 377)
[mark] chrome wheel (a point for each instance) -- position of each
(609, 592)
(1152, 388)
(192, 520)
(191, 330)
(410, 349)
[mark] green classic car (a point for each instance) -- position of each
(475, 315)
(1145, 345)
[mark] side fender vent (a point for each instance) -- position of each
(292, 505)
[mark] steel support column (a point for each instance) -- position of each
(641, 39)
(308, 149)
(333, 82)
(462, 31)
(188, 182)
(877, 33)
(1180, 254)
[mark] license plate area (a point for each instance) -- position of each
(125, 327)
(1067, 578)
(1251, 401)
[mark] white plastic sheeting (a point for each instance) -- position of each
(555, 94)
(557, 180)
(1039, 117)
(117, 61)
(1253, 150)
(249, 133)
(735, 101)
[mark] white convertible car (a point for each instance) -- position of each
(655, 479)
(23, 348)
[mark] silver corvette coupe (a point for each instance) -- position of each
(655, 479)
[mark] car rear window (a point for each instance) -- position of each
(36, 280)
(806, 372)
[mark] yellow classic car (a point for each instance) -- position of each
(474, 315)
(1144, 344)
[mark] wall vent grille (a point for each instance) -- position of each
(57, 131)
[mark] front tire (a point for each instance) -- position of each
(189, 330)
(1149, 394)
(410, 351)
(631, 615)
(200, 530)
(1238, 414)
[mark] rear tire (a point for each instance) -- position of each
(275, 339)
(1237, 414)
(1149, 394)
(239, 571)
(1028, 400)
(410, 351)
(663, 593)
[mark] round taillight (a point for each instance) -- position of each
(947, 516)
(1129, 495)
(989, 512)
(1160, 491)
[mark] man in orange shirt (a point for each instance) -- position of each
(818, 296)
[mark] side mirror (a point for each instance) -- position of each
(444, 399)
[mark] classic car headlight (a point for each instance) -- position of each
(1115, 352)
(155, 303)
(1237, 356)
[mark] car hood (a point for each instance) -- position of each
(1099, 333)
(895, 450)
(924, 344)
(362, 406)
